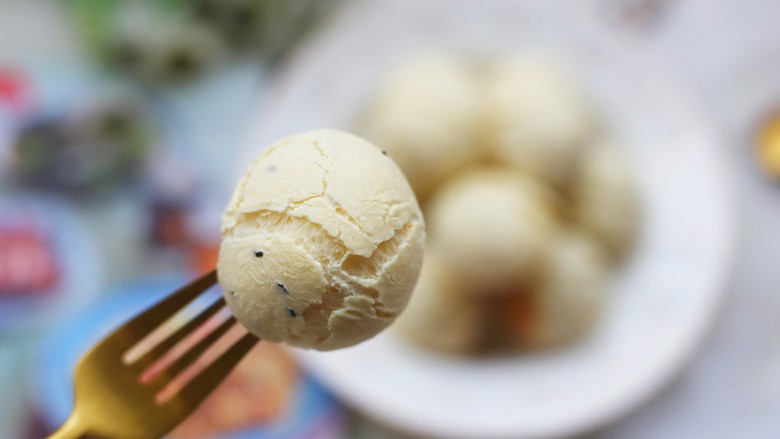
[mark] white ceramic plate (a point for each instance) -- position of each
(664, 300)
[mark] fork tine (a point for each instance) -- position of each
(164, 346)
(199, 387)
(190, 356)
(134, 330)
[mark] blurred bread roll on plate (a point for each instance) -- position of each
(424, 115)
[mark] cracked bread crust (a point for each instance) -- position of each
(340, 238)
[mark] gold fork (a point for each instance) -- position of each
(112, 402)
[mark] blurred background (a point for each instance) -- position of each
(122, 132)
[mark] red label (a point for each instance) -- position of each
(14, 90)
(28, 264)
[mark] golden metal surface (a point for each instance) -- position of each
(111, 402)
(768, 146)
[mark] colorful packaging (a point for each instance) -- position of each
(67, 129)
(48, 262)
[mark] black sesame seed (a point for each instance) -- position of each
(291, 312)
(232, 293)
(258, 254)
(384, 152)
(284, 290)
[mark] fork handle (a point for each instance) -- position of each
(71, 429)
